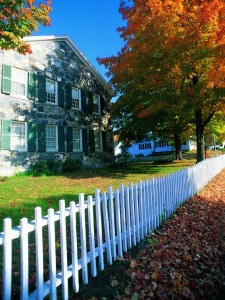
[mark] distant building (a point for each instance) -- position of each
(147, 147)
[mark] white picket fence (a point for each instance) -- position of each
(100, 229)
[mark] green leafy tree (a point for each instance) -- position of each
(164, 119)
(19, 18)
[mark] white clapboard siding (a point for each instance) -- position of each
(110, 222)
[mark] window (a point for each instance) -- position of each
(76, 139)
(165, 144)
(51, 94)
(51, 138)
(76, 98)
(96, 104)
(19, 83)
(144, 146)
(98, 141)
(161, 144)
(18, 136)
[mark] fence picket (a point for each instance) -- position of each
(132, 210)
(24, 263)
(118, 224)
(7, 259)
(145, 208)
(140, 196)
(123, 218)
(52, 253)
(92, 236)
(137, 214)
(73, 229)
(99, 228)
(112, 222)
(39, 253)
(127, 201)
(106, 227)
(63, 242)
(153, 204)
(83, 239)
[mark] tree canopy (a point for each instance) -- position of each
(19, 18)
(173, 58)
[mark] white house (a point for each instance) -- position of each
(147, 147)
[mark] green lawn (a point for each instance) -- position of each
(19, 195)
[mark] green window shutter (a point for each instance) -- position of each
(5, 134)
(6, 79)
(60, 94)
(31, 85)
(90, 103)
(83, 101)
(84, 141)
(41, 88)
(61, 143)
(69, 139)
(31, 135)
(104, 141)
(102, 105)
(92, 141)
(68, 96)
(41, 138)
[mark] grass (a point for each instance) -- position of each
(20, 194)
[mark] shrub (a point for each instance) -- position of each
(123, 159)
(54, 166)
(164, 161)
(40, 168)
(71, 165)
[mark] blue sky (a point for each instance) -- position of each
(91, 24)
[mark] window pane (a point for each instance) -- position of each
(50, 134)
(76, 98)
(96, 103)
(18, 136)
(97, 141)
(19, 82)
(50, 91)
(76, 139)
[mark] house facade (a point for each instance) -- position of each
(53, 105)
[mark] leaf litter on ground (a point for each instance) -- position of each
(185, 258)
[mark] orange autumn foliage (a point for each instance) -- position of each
(19, 18)
(174, 53)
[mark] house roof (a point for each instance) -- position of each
(67, 39)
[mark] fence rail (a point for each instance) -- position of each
(96, 230)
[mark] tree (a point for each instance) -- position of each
(215, 130)
(174, 49)
(19, 18)
(165, 121)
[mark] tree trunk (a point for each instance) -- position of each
(200, 136)
(177, 143)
